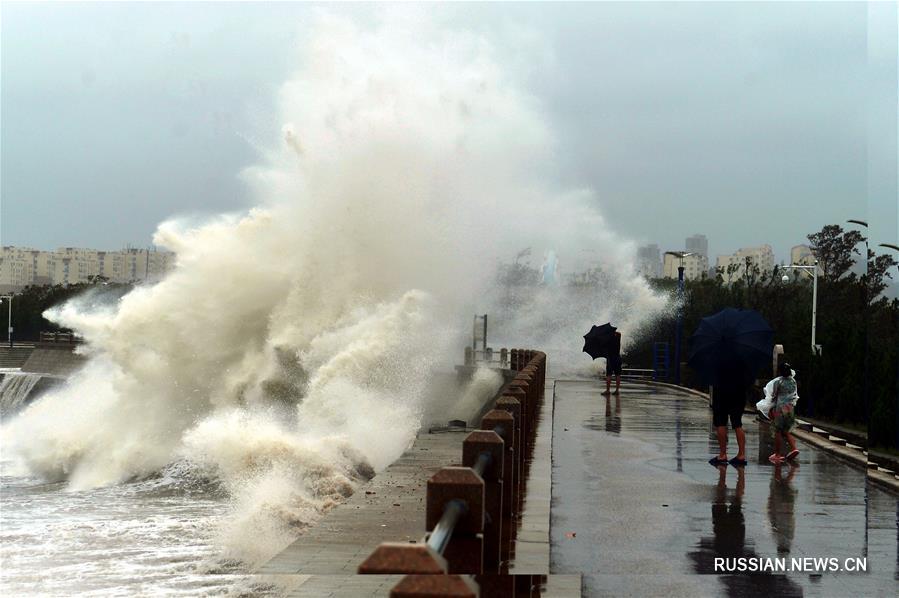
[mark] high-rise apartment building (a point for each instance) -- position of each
(649, 261)
(698, 244)
(695, 266)
(762, 256)
(23, 266)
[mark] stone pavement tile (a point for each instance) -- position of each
(345, 586)
(532, 535)
(562, 586)
(530, 558)
(647, 586)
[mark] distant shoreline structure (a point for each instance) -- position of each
(24, 266)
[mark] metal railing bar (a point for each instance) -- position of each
(443, 531)
(482, 463)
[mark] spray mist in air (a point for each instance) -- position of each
(288, 354)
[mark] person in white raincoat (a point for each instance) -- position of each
(779, 407)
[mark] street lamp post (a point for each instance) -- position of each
(895, 248)
(866, 384)
(815, 348)
(9, 328)
(678, 332)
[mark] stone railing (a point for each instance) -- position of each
(472, 511)
(59, 338)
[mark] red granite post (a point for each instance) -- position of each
(431, 586)
(532, 374)
(514, 392)
(465, 551)
(542, 373)
(513, 406)
(473, 446)
(494, 420)
(522, 383)
(524, 585)
(401, 557)
(497, 586)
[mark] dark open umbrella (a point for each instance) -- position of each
(600, 341)
(731, 340)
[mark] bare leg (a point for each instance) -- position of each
(777, 443)
(791, 440)
(741, 443)
(617, 383)
(721, 433)
(608, 384)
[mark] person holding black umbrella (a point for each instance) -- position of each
(728, 399)
(613, 365)
(727, 350)
(605, 341)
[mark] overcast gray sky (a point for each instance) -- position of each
(751, 123)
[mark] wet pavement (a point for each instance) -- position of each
(637, 509)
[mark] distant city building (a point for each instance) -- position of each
(802, 255)
(649, 261)
(23, 266)
(762, 256)
(696, 266)
(698, 244)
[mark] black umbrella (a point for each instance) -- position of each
(600, 341)
(733, 341)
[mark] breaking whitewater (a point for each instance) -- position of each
(293, 351)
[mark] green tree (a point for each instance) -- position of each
(854, 323)
(878, 269)
(834, 248)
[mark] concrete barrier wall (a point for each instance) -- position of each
(14, 357)
(59, 361)
(21, 393)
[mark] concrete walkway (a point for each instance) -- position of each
(389, 508)
(638, 511)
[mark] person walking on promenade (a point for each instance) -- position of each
(613, 365)
(783, 412)
(728, 400)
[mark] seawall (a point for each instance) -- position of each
(15, 356)
(59, 360)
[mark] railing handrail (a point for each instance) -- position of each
(59, 337)
(482, 463)
(471, 510)
(455, 509)
(443, 531)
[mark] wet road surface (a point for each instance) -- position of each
(639, 511)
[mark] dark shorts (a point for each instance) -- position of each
(613, 366)
(728, 404)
